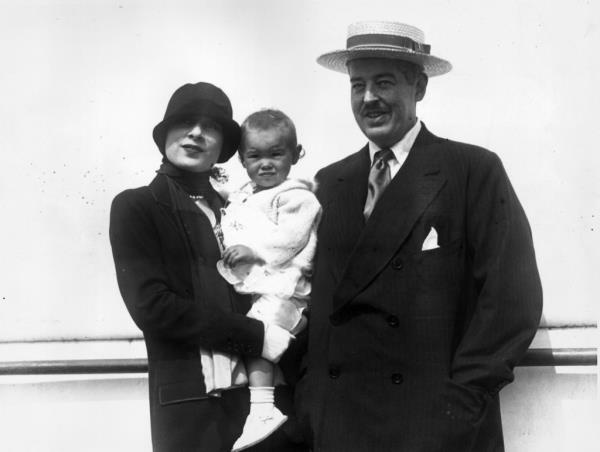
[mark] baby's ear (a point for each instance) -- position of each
(298, 153)
(241, 157)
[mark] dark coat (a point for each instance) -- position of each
(153, 271)
(409, 348)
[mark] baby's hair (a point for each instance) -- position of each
(270, 118)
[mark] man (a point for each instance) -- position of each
(426, 291)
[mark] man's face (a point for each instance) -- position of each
(383, 101)
(194, 144)
(267, 156)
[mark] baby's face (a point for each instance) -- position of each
(267, 156)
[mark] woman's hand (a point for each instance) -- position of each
(237, 254)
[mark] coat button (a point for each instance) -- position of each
(397, 264)
(392, 321)
(334, 372)
(335, 320)
(397, 379)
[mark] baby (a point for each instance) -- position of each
(269, 233)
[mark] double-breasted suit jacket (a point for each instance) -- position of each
(408, 348)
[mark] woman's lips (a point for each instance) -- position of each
(192, 148)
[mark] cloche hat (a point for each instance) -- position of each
(381, 39)
(201, 99)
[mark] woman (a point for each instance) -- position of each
(164, 238)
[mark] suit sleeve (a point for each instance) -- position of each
(506, 286)
(153, 304)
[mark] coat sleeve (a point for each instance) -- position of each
(505, 304)
(506, 290)
(154, 305)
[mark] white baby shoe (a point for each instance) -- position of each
(258, 427)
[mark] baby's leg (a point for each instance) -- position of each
(264, 418)
(260, 372)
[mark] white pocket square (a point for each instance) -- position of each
(431, 241)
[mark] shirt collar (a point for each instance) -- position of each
(401, 147)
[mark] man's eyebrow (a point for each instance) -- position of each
(376, 76)
(385, 74)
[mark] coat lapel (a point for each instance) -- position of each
(197, 232)
(160, 191)
(404, 200)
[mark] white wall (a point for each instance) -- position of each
(546, 409)
(83, 83)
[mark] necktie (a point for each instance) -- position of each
(379, 178)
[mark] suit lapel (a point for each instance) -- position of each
(351, 192)
(404, 200)
(342, 194)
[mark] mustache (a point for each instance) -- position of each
(375, 106)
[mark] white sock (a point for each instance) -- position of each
(262, 400)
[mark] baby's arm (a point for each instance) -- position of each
(240, 254)
(297, 212)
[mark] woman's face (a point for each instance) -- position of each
(194, 144)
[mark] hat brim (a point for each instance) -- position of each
(338, 60)
(231, 135)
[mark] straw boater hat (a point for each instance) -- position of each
(379, 39)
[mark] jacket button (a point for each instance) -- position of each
(397, 379)
(397, 264)
(334, 372)
(392, 321)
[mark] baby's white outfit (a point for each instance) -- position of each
(280, 225)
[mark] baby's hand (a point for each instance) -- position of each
(237, 254)
(300, 326)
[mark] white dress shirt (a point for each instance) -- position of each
(400, 149)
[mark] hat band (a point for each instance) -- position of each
(387, 41)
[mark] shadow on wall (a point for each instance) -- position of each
(551, 408)
(74, 413)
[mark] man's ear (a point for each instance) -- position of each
(422, 80)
